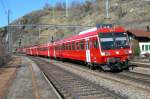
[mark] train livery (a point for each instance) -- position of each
(104, 46)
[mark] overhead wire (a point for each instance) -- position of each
(3, 6)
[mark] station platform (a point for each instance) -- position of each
(29, 83)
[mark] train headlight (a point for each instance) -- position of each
(117, 52)
(130, 51)
(105, 54)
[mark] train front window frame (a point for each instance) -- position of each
(113, 40)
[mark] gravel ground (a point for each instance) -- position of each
(125, 90)
(23, 86)
(7, 74)
(141, 67)
(141, 70)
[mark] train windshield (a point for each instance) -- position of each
(113, 40)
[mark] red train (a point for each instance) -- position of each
(105, 46)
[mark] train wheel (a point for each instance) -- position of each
(100, 69)
(63, 60)
(91, 66)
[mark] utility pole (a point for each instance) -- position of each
(107, 17)
(54, 14)
(107, 8)
(67, 12)
(8, 16)
(9, 33)
(39, 32)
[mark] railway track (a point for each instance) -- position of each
(137, 78)
(72, 86)
(126, 87)
(144, 64)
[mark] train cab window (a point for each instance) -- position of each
(96, 43)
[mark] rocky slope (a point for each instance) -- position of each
(131, 14)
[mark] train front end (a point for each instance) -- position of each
(115, 49)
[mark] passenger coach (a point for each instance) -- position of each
(105, 46)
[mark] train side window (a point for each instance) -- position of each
(82, 44)
(77, 47)
(91, 44)
(87, 45)
(69, 46)
(96, 43)
(73, 47)
(66, 46)
(55, 48)
(63, 46)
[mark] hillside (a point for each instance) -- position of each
(128, 13)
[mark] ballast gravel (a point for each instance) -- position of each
(127, 91)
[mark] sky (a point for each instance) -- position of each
(19, 8)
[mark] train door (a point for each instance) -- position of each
(95, 50)
(88, 58)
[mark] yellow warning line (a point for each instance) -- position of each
(34, 83)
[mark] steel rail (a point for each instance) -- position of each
(72, 85)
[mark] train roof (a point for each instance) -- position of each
(87, 31)
(91, 32)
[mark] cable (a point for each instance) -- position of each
(3, 6)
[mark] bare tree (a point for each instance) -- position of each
(60, 6)
(47, 6)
